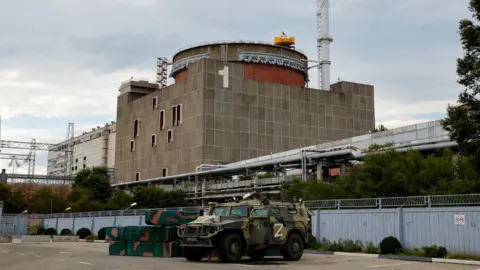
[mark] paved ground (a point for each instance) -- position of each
(79, 256)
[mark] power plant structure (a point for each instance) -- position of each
(231, 101)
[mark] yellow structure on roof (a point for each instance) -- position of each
(284, 40)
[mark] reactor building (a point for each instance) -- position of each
(231, 101)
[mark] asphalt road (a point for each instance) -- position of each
(79, 256)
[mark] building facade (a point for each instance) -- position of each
(231, 102)
(91, 149)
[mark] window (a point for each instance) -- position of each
(219, 211)
(164, 172)
(76, 168)
(275, 212)
(292, 211)
(154, 140)
(136, 128)
(162, 119)
(137, 176)
(259, 213)
(170, 136)
(177, 115)
(84, 166)
(241, 211)
(132, 145)
(84, 158)
(76, 160)
(73, 168)
(155, 102)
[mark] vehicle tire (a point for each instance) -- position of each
(193, 254)
(230, 248)
(293, 249)
(257, 254)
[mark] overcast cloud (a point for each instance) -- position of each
(62, 60)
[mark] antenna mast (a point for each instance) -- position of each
(323, 44)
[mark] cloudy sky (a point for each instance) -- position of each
(62, 60)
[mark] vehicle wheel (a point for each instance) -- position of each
(257, 254)
(193, 254)
(230, 248)
(293, 249)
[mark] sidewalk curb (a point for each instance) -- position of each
(394, 257)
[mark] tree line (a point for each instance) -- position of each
(91, 191)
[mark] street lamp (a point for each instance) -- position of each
(68, 209)
(131, 205)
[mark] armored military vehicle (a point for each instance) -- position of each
(249, 226)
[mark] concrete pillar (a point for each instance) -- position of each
(284, 175)
(204, 186)
(342, 168)
(320, 171)
(255, 179)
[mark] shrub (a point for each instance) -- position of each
(101, 233)
(91, 238)
(390, 245)
(435, 252)
(50, 231)
(370, 248)
(41, 230)
(83, 233)
(32, 229)
(66, 232)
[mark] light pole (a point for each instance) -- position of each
(131, 205)
(68, 209)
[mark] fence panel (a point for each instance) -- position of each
(365, 225)
(65, 223)
(437, 226)
(456, 228)
(101, 222)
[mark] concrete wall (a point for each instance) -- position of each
(181, 155)
(414, 227)
(252, 118)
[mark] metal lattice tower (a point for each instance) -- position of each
(69, 150)
(323, 44)
(162, 64)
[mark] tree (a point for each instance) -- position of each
(96, 180)
(379, 128)
(46, 200)
(119, 200)
(463, 121)
(154, 197)
(82, 200)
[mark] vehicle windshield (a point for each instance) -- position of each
(259, 212)
(219, 211)
(241, 211)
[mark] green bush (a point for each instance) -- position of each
(50, 231)
(35, 229)
(41, 230)
(390, 245)
(66, 232)
(101, 233)
(435, 252)
(370, 248)
(340, 245)
(83, 233)
(91, 238)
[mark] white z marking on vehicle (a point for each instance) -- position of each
(279, 231)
